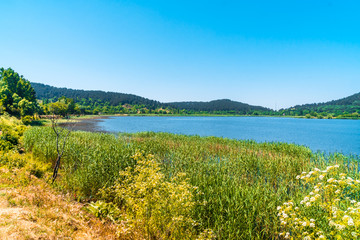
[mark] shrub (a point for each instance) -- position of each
(331, 210)
(152, 204)
(26, 120)
(11, 131)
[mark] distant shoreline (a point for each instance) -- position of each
(89, 123)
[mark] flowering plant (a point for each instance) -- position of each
(330, 211)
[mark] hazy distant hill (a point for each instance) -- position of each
(113, 98)
(218, 105)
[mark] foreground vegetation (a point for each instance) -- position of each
(149, 183)
(165, 186)
(30, 208)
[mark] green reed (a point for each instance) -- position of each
(242, 182)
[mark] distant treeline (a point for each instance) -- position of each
(95, 102)
(17, 97)
(100, 102)
(348, 107)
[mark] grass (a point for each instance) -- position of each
(241, 182)
(29, 207)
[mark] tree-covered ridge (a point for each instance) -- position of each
(348, 107)
(225, 105)
(94, 102)
(110, 98)
(17, 96)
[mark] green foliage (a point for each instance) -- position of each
(151, 203)
(17, 97)
(90, 161)
(104, 210)
(11, 131)
(12, 159)
(241, 182)
(347, 108)
(26, 120)
(64, 106)
(330, 211)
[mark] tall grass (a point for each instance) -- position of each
(242, 181)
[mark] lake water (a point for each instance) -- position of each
(327, 135)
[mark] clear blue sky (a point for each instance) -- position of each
(269, 53)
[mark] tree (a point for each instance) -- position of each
(17, 97)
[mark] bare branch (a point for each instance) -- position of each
(64, 133)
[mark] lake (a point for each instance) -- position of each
(326, 135)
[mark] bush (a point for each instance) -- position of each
(331, 210)
(26, 120)
(11, 132)
(152, 204)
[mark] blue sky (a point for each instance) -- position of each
(269, 53)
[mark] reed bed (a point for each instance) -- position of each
(241, 182)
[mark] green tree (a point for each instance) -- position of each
(17, 97)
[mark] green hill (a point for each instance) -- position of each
(224, 105)
(99, 99)
(111, 98)
(348, 107)
(112, 102)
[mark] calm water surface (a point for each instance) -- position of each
(327, 135)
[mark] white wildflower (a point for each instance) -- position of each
(330, 180)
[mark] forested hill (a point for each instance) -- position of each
(93, 102)
(348, 107)
(112, 98)
(351, 100)
(219, 105)
(111, 102)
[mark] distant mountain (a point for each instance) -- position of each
(218, 105)
(113, 98)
